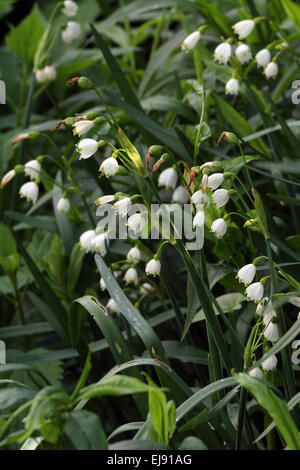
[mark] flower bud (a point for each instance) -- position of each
(85, 83)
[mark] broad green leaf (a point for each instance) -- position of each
(292, 11)
(275, 407)
(23, 40)
(116, 385)
(85, 431)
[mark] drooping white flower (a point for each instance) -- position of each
(153, 267)
(243, 53)
(256, 372)
(255, 291)
(271, 70)
(40, 76)
(134, 255)
(82, 127)
(219, 227)
(215, 180)
(123, 206)
(104, 199)
(136, 223)
(190, 41)
(102, 284)
(180, 195)
(232, 87)
(265, 308)
(145, 288)
(271, 332)
(243, 28)
(270, 363)
(71, 32)
(222, 53)
(30, 191)
(220, 197)
(246, 274)
(63, 205)
(87, 148)
(168, 178)
(32, 169)
(199, 219)
(70, 8)
(131, 276)
(295, 301)
(200, 198)
(100, 243)
(113, 306)
(86, 239)
(110, 166)
(7, 178)
(50, 72)
(263, 57)
(296, 352)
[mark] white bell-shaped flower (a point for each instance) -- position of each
(219, 227)
(30, 191)
(256, 372)
(40, 76)
(199, 219)
(32, 169)
(270, 363)
(82, 127)
(232, 87)
(101, 201)
(87, 148)
(70, 8)
(63, 205)
(246, 274)
(50, 72)
(153, 267)
(134, 255)
(243, 53)
(220, 197)
(243, 28)
(102, 284)
(168, 178)
(263, 57)
(131, 276)
(271, 70)
(255, 291)
(180, 195)
(86, 240)
(271, 332)
(190, 41)
(72, 31)
(110, 166)
(222, 53)
(123, 206)
(215, 180)
(200, 198)
(100, 243)
(136, 223)
(112, 306)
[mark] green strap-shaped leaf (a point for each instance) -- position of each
(275, 407)
(132, 315)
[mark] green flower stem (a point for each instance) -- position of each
(288, 374)
(199, 128)
(246, 167)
